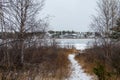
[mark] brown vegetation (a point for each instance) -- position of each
(43, 62)
(94, 58)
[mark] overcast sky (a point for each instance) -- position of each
(70, 14)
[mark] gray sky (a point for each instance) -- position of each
(70, 14)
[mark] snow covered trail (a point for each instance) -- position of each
(77, 71)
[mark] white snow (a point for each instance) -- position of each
(77, 71)
(80, 46)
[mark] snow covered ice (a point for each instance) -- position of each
(77, 71)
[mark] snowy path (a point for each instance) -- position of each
(77, 71)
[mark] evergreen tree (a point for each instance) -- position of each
(116, 31)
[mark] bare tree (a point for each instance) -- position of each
(107, 13)
(21, 17)
(3, 48)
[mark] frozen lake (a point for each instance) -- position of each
(79, 44)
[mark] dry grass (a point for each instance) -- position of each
(87, 64)
(92, 57)
(46, 63)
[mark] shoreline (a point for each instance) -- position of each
(71, 38)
